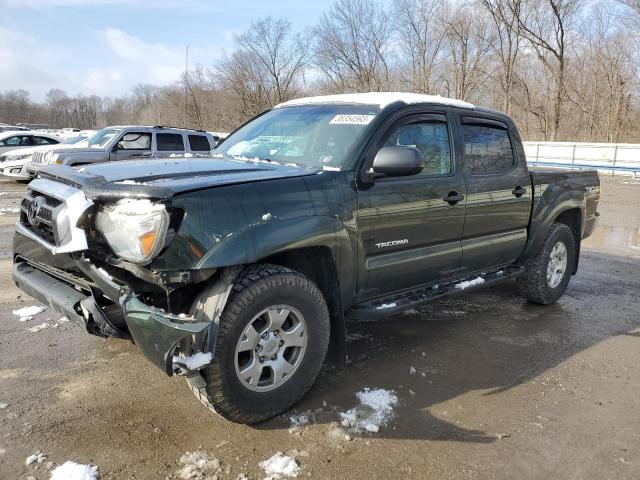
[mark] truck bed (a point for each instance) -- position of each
(553, 183)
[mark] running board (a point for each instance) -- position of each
(382, 307)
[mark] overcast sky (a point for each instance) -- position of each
(106, 46)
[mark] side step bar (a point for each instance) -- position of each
(394, 304)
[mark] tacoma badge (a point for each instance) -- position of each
(392, 243)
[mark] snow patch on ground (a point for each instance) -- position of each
(299, 420)
(280, 466)
(74, 471)
(374, 411)
(4, 210)
(198, 465)
(37, 328)
(37, 457)
(195, 361)
(469, 283)
(27, 313)
(386, 305)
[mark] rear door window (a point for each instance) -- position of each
(43, 141)
(199, 143)
(169, 142)
(487, 150)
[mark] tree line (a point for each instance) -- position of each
(563, 69)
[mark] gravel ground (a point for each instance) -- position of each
(488, 386)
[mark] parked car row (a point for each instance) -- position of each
(23, 153)
(5, 127)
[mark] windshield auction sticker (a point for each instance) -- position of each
(352, 119)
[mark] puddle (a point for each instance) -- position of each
(615, 239)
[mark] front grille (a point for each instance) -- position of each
(37, 157)
(50, 214)
(42, 221)
(45, 214)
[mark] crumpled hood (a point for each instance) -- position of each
(166, 177)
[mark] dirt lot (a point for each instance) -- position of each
(502, 389)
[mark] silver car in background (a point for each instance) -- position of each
(128, 143)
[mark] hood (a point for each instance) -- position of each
(163, 178)
(80, 148)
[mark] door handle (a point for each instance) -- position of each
(453, 198)
(519, 191)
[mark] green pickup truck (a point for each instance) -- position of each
(239, 271)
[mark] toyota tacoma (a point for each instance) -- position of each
(238, 271)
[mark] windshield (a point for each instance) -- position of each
(316, 136)
(102, 137)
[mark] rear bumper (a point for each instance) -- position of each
(156, 333)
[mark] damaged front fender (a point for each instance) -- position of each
(160, 335)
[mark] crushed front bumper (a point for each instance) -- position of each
(156, 333)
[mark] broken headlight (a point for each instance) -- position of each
(135, 229)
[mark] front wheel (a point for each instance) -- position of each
(272, 341)
(547, 275)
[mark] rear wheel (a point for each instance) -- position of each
(273, 338)
(547, 275)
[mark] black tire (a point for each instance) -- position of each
(533, 284)
(256, 288)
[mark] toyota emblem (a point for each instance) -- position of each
(34, 208)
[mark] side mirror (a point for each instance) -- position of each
(398, 162)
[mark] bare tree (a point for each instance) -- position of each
(468, 45)
(419, 27)
(546, 25)
(561, 71)
(506, 44)
(267, 66)
(352, 43)
(604, 78)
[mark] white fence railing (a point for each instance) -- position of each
(612, 158)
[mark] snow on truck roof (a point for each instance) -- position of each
(381, 99)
